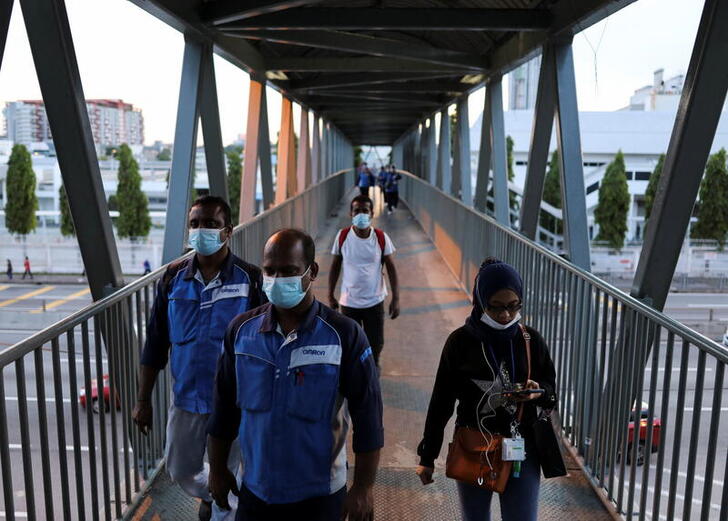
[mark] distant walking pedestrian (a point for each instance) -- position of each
(391, 188)
(9, 270)
(365, 180)
(26, 265)
(147, 267)
(364, 251)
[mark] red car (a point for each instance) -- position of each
(656, 431)
(95, 396)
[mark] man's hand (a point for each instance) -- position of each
(333, 303)
(220, 485)
(425, 474)
(359, 504)
(142, 415)
(530, 384)
(394, 308)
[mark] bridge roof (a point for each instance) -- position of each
(375, 68)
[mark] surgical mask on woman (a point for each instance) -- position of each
(362, 221)
(205, 241)
(285, 292)
(490, 322)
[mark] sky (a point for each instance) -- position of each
(123, 52)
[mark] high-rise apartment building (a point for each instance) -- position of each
(112, 122)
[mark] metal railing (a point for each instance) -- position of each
(640, 394)
(70, 452)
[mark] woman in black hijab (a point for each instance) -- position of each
(480, 362)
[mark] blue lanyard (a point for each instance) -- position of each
(513, 362)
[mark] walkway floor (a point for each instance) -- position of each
(432, 305)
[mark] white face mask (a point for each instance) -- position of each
(490, 322)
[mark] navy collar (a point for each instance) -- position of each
(226, 269)
(270, 323)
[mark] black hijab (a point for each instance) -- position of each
(493, 276)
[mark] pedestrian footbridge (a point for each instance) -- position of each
(641, 407)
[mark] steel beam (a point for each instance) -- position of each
(303, 166)
(698, 114)
(211, 133)
(316, 149)
(498, 143)
(323, 96)
(428, 87)
(253, 135)
(54, 56)
(363, 44)
(399, 19)
(351, 80)
(183, 155)
(444, 168)
(431, 152)
(226, 11)
(285, 169)
(359, 64)
(573, 194)
(485, 157)
(538, 153)
(264, 153)
(6, 10)
(462, 183)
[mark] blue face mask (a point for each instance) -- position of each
(362, 221)
(205, 241)
(285, 292)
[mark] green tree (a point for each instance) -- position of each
(21, 200)
(234, 175)
(164, 155)
(552, 195)
(357, 156)
(134, 218)
(713, 207)
(613, 206)
(512, 201)
(67, 227)
(652, 186)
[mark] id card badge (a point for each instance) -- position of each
(514, 449)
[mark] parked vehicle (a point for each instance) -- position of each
(643, 418)
(95, 396)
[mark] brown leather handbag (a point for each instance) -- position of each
(477, 459)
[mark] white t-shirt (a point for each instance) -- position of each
(362, 283)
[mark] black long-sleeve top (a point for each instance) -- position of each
(464, 376)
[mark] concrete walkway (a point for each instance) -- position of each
(432, 306)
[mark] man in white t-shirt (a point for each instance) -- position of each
(364, 251)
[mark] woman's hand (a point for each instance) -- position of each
(530, 384)
(425, 474)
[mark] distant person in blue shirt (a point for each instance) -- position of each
(9, 270)
(196, 300)
(293, 376)
(366, 179)
(147, 267)
(391, 188)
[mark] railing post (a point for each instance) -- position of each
(697, 119)
(444, 170)
(316, 150)
(286, 177)
(498, 144)
(212, 135)
(538, 152)
(54, 56)
(573, 193)
(462, 184)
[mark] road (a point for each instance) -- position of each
(28, 308)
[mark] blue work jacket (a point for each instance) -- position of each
(191, 317)
(283, 397)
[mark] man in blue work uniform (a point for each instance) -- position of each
(196, 300)
(365, 180)
(292, 374)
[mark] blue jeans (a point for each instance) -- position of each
(519, 502)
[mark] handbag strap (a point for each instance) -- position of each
(527, 341)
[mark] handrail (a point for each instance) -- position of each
(706, 344)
